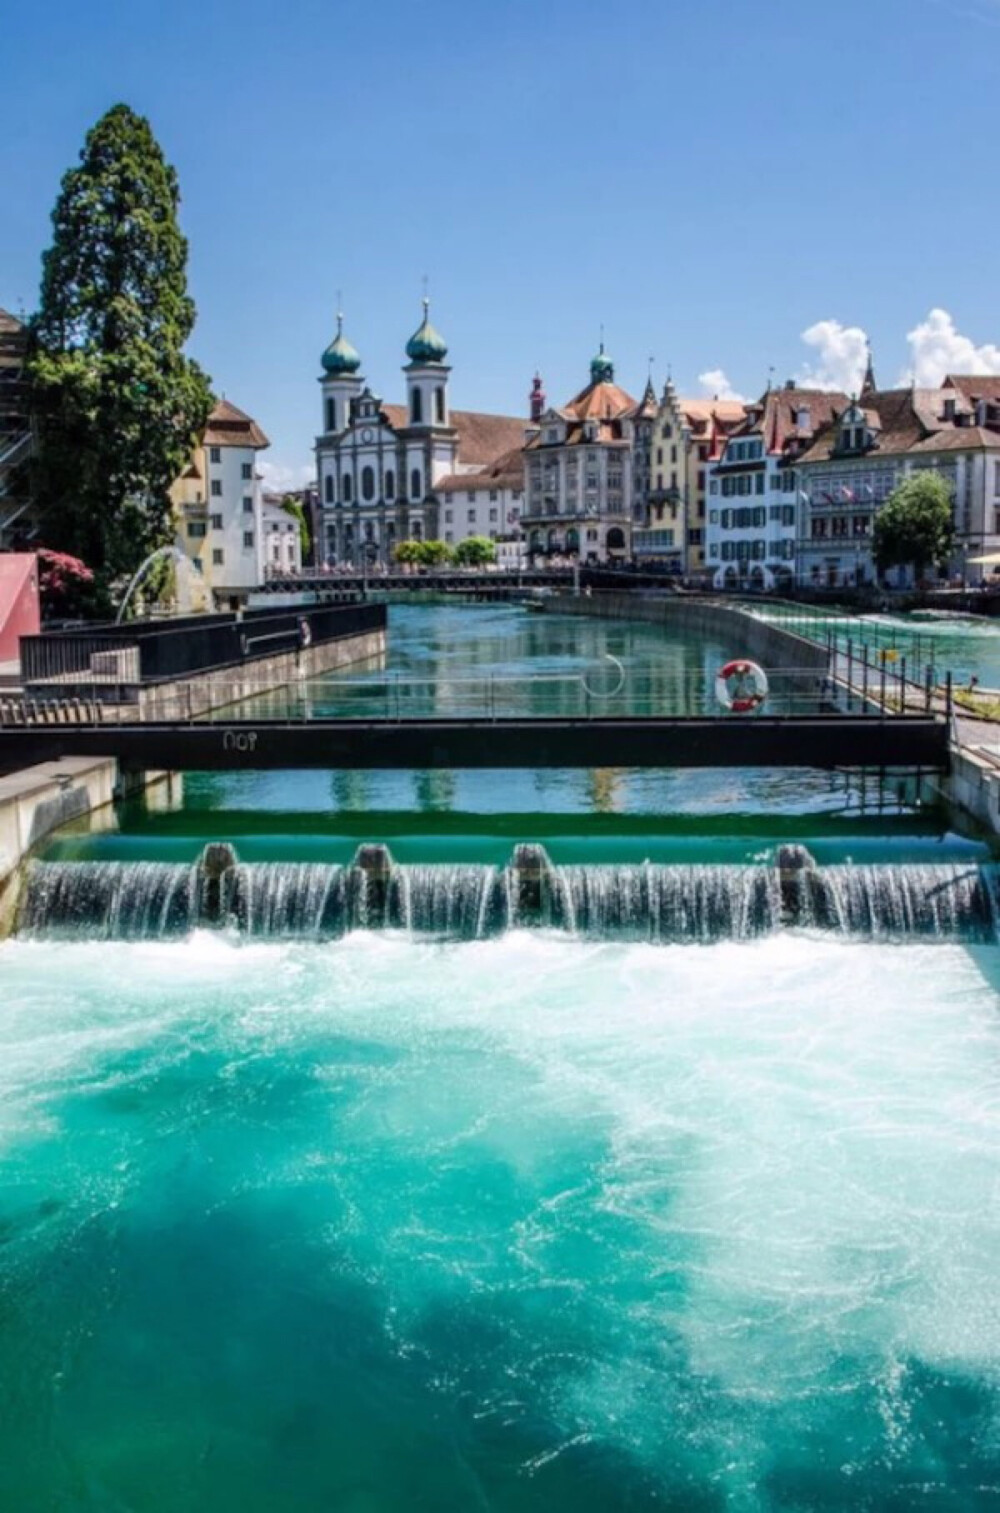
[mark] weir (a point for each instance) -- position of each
(639, 902)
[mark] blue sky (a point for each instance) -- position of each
(709, 180)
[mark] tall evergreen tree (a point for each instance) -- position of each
(118, 406)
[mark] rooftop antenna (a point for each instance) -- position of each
(770, 378)
(340, 311)
(427, 299)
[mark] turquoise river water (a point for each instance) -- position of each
(390, 1223)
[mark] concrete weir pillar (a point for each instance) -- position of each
(373, 866)
(532, 890)
(215, 864)
(796, 868)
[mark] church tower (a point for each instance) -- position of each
(427, 375)
(341, 381)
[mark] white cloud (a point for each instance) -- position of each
(936, 349)
(283, 477)
(842, 352)
(716, 384)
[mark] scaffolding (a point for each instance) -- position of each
(16, 436)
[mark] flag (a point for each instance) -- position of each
(846, 493)
(804, 497)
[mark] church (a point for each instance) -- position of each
(380, 467)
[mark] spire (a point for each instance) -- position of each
(868, 384)
(537, 398)
(602, 369)
(426, 345)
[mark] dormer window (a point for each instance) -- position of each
(802, 417)
(949, 411)
(553, 435)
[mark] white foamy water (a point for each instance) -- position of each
(692, 1203)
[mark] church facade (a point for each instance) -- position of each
(379, 465)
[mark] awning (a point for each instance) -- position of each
(990, 558)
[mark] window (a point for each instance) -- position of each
(760, 483)
(247, 504)
(449, 536)
(659, 455)
(218, 556)
(217, 522)
(367, 483)
(472, 517)
(713, 487)
(713, 517)
(246, 471)
(448, 517)
(415, 485)
(439, 406)
(248, 540)
(470, 495)
(996, 478)
(331, 414)
(493, 516)
(328, 488)
(196, 530)
(346, 490)
(215, 454)
(216, 488)
(694, 538)
(493, 494)
(416, 407)
(390, 484)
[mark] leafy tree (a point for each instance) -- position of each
(409, 552)
(293, 506)
(475, 551)
(435, 553)
(118, 406)
(914, 527)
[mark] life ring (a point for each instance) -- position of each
(305, 633)
(749, 690)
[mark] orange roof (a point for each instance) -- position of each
(506, 472)
(600, 401)
(229, 427)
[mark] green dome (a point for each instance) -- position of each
(340, 358)
(602, 369)
(426, 344)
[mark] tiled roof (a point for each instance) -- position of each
(506, 472)
(10, 322)
(601, 401)
(775, 416)
(229, 427)
(909, 420)
(484, 438)
(973, 386)
(647, 407)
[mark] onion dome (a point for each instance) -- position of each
(426, 344)
(602, 369)
(340, 359)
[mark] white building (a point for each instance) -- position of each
(579, 473)
(487, 503)
(379, 465)
(754, 511)
(281, 540)
(218, 507)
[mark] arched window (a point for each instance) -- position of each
(415, 489)
(390, 484)
(416, 407)
(347, 488)
(439, 406)
(367, 483)
(331, 414)
(328, 488)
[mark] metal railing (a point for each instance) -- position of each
(167, 651)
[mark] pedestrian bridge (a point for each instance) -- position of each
(822, 740)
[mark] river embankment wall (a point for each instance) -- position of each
(770, 645)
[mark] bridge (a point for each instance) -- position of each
(825, 740)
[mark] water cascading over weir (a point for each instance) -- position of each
(638, 902)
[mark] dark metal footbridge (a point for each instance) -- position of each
(821, 740)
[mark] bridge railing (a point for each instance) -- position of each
(167, 652)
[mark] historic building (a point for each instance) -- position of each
(218, 509)
(281, 539)
(687, 436)
(379, 465)
(579, 477)
(486, 503)
(754, 511)
(871, 444)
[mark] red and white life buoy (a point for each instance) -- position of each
(741, 686)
